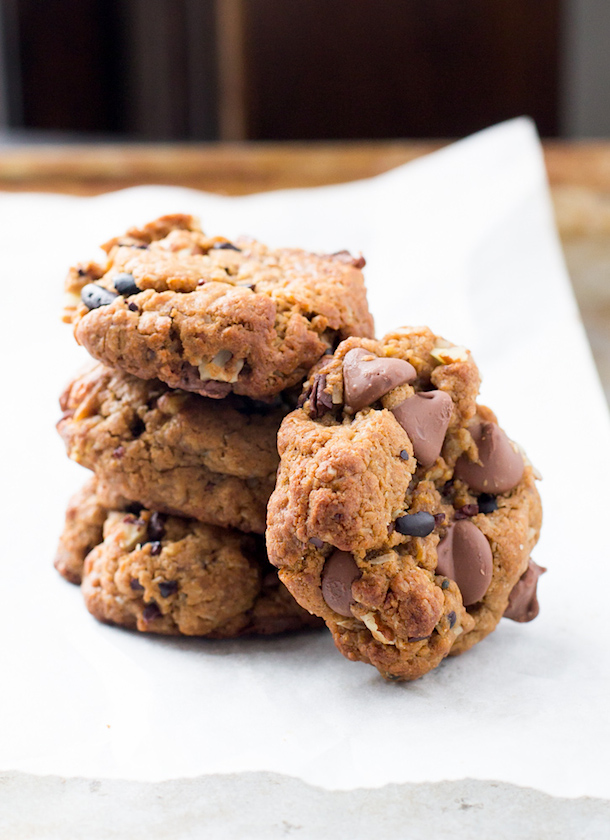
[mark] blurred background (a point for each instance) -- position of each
(300, 69)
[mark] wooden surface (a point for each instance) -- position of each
(579, 175)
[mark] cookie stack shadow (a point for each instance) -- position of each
(201, 347)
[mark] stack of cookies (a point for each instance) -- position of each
(402, 515)
(200, 343)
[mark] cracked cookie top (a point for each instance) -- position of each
(402, 514)
(212, 316)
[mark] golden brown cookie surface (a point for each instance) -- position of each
(173, 576)
(171, 450)
(212, 316)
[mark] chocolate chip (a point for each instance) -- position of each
(523, 601)
(132, 245)
(499, 467)
(94, 296)
(151, 611)
(316, 542)
(137, 427)
(445, 584)
(417, 638)
(464, 555)
(118, 452)
(416, 524)
(125, 285)
(133, 307)
(367, 377)
(404, 455)
(225, 246)
(319, 401)
(466, 511)
(345, 256)
(425, 417)
(168, 587)
(155, 548)
(339, 573)
(487, 503)
(452, 618)
(135, 584)
(156, 527)
(439, 518)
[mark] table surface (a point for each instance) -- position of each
(579, 174)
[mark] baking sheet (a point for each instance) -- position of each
(462, 240)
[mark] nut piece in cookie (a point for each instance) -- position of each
(211, 316)
(402, 514)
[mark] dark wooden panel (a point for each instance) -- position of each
(412, 68)
(70, 61)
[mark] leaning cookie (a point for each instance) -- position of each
(175, 576)
(173, 451)
(207, 315)
(402, 513)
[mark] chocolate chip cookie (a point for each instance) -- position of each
(167, 575)
(212, 316)
(403, 514)
(171, 450)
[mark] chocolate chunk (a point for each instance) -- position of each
(404, 455)
(225, 246)
(452, 618)
(347, 258)
(133, 307)
(487, 503)
(168, 587)
(366, 377)
(156, 527)
(151, 611)
(319, 401)
(445, 584)
(118, 452)
(523, 601)
(500, 468)
(135, 584)
(94, 296)
(338, 575)
(417, 638)
(125, 285)
(137, 427)
(416, 524)
(425, 417)
(316, 542)
(155, 548)
(464, 555)
(439, 518)
(466, 511)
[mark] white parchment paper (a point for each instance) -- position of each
(462, 240)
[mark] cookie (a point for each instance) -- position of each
(171, 450)
(212, 316)
(83, 529)
(402, 515)
(173, 576)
